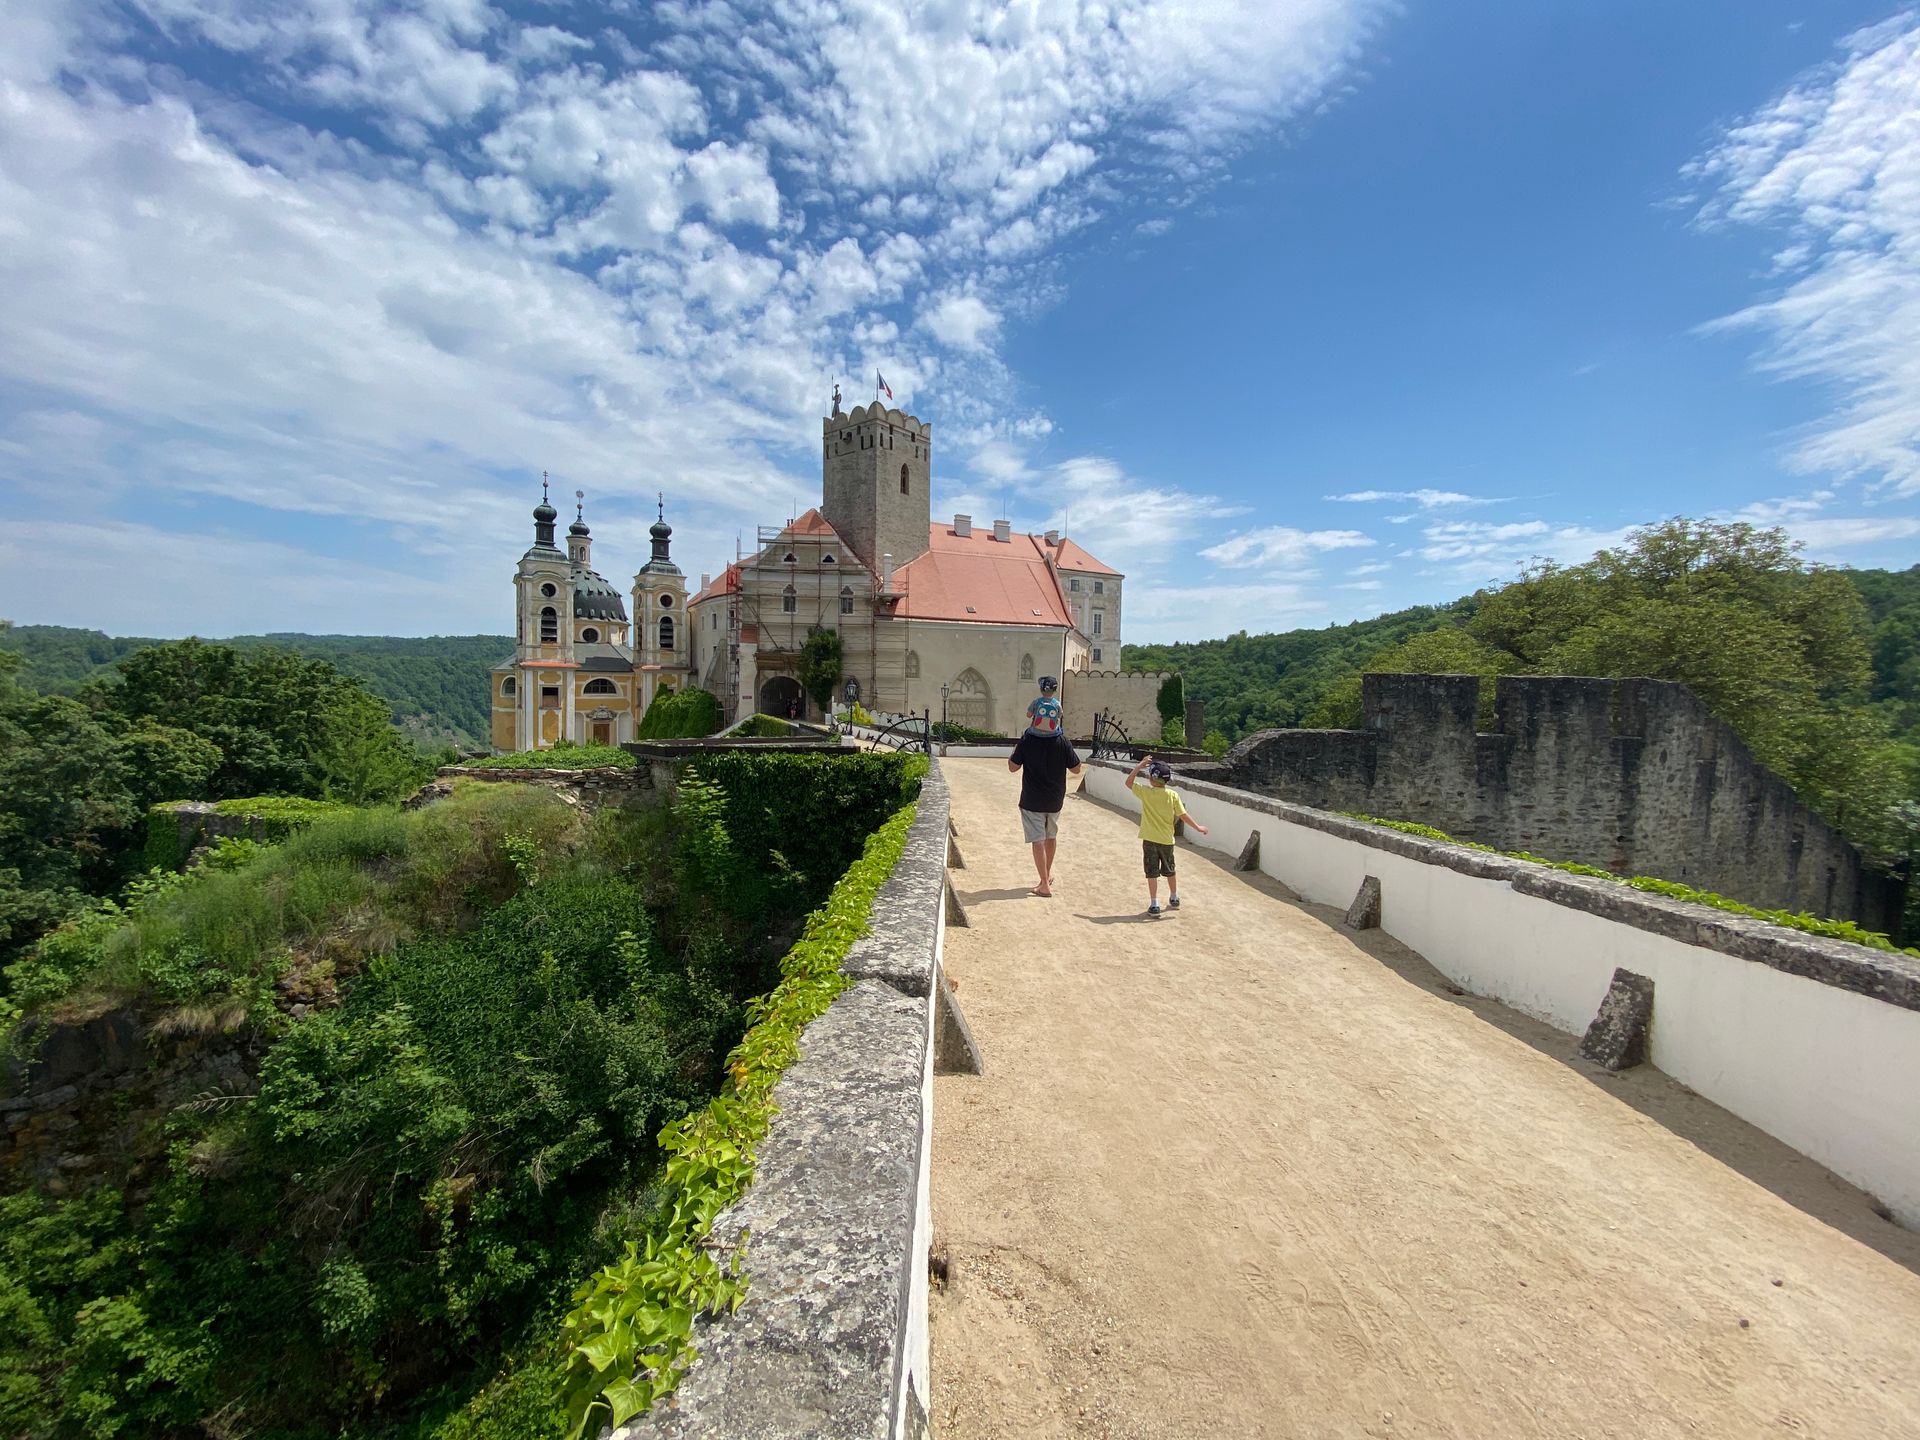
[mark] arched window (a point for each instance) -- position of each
(549, 625)
(1026, 667)
(789, 600)
(590, 635)
(971, 702)
(846, 599)
(903, 479)
(913, 664)
(600, 687)
(666, 632)
(508, 687)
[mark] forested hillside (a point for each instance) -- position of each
(437, 685)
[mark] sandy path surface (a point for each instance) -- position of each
(1238, 1172)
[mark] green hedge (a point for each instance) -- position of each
(764, 727)
(1672, 889)
(681, 715)
(275, 817)
(564, 756)
(628, 1340)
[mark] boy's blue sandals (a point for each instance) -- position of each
(1154, 908)
(1173, 902)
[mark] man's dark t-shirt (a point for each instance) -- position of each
(1044, 761)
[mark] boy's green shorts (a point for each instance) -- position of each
(1157, 858)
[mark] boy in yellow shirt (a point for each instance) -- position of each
(1160, 806)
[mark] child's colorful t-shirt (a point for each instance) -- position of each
(1159, 807)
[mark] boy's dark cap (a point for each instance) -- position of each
(1160, 770)
(1047, 682)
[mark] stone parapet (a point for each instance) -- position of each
(831, 1341)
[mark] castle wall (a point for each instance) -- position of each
(1633, 776)
(1130, 696)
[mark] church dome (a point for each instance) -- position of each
(545, 514)
(595, 599)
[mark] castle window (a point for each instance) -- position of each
(828, 560)
(1098, 616)
(600, 687)
(666, 600)
(1073, 583)
(666, 632)
(846, 599)
(903, 479)
(549, 697)
(549, 625)
(590, 635)
(507, 686)
(548, 590)
(789, 600)
(913, 664)
(790, 558)
(1099, 587)
(1026, 667)
(1096, 654)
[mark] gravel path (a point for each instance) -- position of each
(1237, 1172)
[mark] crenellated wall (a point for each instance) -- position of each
(1633, 776)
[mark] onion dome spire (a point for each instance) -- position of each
(543, 516)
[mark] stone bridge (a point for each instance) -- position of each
(1247, 1170)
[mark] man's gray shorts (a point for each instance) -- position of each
(1040, 825)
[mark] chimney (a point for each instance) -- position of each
(1053, 539)
(963, 526)
(886, 573)
(705, 581)
(1003, 531)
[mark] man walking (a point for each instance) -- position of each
(1043, 763)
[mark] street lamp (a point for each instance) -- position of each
(945, 690)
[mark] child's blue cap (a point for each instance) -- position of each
(1160, 770)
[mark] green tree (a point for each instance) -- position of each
(362, 758)
(820, 666)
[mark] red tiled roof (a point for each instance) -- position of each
(811, 523)
(1073, 557)
(983, 580)
(727, 584)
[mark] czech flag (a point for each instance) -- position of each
(880, 384)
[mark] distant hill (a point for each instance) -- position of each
(1255, 682)
(437, 686)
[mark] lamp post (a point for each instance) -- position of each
(945, 690)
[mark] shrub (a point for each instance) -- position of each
(1172, 699)
(681, 715)
(764, 727)
(564, 755)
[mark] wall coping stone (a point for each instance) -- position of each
(820, 1344)
(1878, 974)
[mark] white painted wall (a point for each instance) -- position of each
(1834, 1074)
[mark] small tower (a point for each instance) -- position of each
(663, 639)
(579, 538)
(532, 690)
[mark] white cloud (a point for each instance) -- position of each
(426, 251)
(1280, 545)
(962, 321)
(1425, 499)
(1835, 162)
(1498, 551)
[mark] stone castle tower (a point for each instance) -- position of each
(875, 465)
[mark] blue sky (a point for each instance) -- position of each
(1293, 312)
